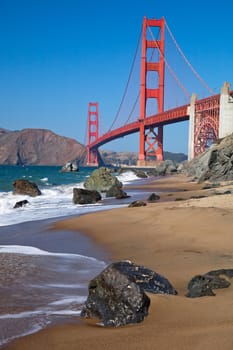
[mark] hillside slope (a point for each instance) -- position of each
(38, 147)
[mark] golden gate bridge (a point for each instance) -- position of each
(209, 118)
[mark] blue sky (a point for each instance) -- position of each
(58, 55)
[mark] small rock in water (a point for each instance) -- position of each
(20, 204)
(26, 187)
(117, 192)
(83, 196)
(70, 166)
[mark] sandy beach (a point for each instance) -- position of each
(177, 237)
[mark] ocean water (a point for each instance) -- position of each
(57, 192)
(44, 274)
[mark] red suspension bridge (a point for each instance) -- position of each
(209, 118)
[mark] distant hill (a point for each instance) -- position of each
(130, 158)
(38, 147)
(44, 147)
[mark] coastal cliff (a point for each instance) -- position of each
(38, 147)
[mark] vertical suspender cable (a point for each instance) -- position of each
(187, 61)
(127, 85)
(170, 68)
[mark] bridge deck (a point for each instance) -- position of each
(171, 116)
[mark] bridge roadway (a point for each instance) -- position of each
(168, 117)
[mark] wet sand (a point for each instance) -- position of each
(178, 239)
(39, 234)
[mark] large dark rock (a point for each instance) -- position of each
(115, 300)
(147, 279)
(216, 164)
(26, 187)
(102, 180)
(203, 285)
(83, 196)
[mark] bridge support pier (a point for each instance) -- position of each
(191, 113)
(226, 112)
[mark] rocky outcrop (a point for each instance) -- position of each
(70, 166)
(216, 164)
(115, 300)
(26, 187)
(38, 146)
(102, 180)
(166, 167)
(83, 196)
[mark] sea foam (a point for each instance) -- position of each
(55, 201)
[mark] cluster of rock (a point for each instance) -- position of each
(100, 181)
(166, 167)
(117, 295)
(152, 198)
(25, 187)
(215, 164)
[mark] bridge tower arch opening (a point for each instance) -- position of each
(151, 141)
(92, 132)
(205, 135)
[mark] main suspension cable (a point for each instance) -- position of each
(187, 61)
(127, 85)
(133, 109)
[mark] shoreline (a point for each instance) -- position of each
(177, 239)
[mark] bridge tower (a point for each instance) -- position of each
(92, 132)
(151, 143)
(209, 119)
